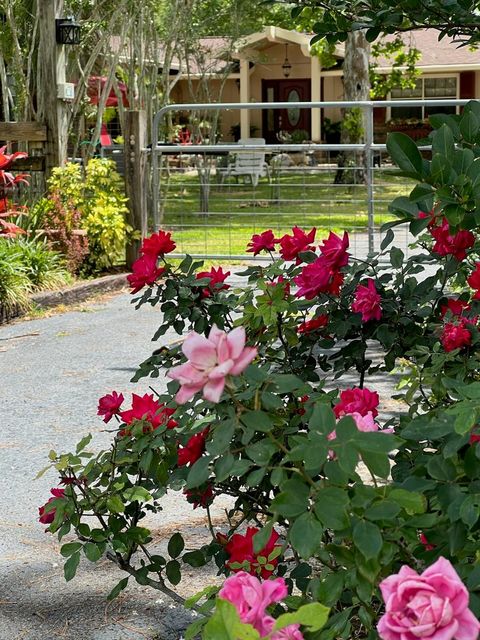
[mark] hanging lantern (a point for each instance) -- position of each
(286, 66)
(67, 31)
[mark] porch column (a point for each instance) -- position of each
(244, 97)
(315, 71)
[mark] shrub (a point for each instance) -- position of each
(45, 268)
(369, 517)
(15, 284)
(94, 204)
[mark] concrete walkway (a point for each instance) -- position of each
(53, 370)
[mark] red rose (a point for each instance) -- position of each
(334, 250)
(455, 306)
(456, 336)
(144, 271)
(447, 244)
(217, 281)
(200, 497)
(150, 410)
(48, 518)
(423, 539)
(262, 242)
(193, 450)
(313, 325)
(316, 278)
(367, 302)
(240, 550)
(158, 244)
(357, 401)
(291, 246)
(474, 438)
(109, 405)
(474, 280)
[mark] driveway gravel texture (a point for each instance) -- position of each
(53, 370)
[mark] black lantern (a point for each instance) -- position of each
(67, 31)
(286, 66)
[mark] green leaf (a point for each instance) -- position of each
(367, 539)
(83, 443)
(117, 589)
(322, 419)
(93, 551)
(70, 548)
(411, 501)
(293, 499)
(388, 239)
(306, 535)
(225, 624)
(194, 558)
(440, 169)
(172, 569)
(385, 510)
(115, 504)
(71, 565)
(221, 437)
(199, 473)
(194, 630)
(286, 383)
(443, 141)
(396, 257)
(257, 420)
(405, 153)
(377, 464)
(223, 466)
(175, 545)
(262, 536)
(331, 507)
(312, 616)
(137, 494)
(469, 126)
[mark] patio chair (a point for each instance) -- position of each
(248, 164)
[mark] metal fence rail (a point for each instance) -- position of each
(213, 212)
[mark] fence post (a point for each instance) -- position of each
(135, 173)
(369, 177)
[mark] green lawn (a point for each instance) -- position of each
(237, 210)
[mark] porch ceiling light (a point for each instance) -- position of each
(67, 31)
(286, 66)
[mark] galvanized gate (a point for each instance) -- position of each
(211, 216)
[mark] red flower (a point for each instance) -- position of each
(9, 229)
(312, 325)
(193, 450)
(315, 278)
(456, 336)
(158, 244)
(144, 271)
(217, 280)
(474, 438)
(6, 160)
(200, 497)
(455, 245)
(423, 539)
(455, 306)
(367, 302)
(430, 214)
(240, 550)
(48, 518)
(334, 250)
(474, 280)
(150, 410)
(291, 246)
(262, 242)
(109, 405)
(357, 401)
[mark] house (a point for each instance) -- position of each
(275, 65)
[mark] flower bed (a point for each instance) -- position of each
(312, 547)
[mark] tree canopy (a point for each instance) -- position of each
(459, 19)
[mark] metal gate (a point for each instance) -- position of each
(214, 197)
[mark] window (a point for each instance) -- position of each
(429, 88)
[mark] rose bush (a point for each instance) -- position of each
(326, 493)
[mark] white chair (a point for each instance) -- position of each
(250, 164)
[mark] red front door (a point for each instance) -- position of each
(289, 120)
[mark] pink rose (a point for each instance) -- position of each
(251, 597)
(431, 606)
(210, 360)
(357, 401)
(292, 632)
(367, 302)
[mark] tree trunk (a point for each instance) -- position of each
(356, 86)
